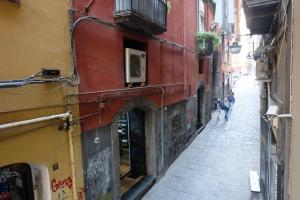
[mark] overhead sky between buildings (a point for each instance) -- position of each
(219, 11)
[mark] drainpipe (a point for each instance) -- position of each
(65, 116)
(72, 157)
(292, 57)
(184, 50)
(162, 128)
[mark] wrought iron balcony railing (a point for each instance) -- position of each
(149, 16)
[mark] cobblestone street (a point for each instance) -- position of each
(216, 165)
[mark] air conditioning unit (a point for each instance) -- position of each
(135, 66)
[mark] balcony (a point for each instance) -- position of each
(260, 15)
(147, 16)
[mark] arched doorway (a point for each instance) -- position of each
(131, 130)
(200, 106)
(134, 148)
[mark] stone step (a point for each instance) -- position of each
(140, 189)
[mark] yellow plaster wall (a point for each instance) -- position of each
(295, 135)
(32, 36)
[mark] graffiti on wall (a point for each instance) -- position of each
(6, 174)
(58, 184)
(62, 195)
(98, 177)
(176, 124)
(182, 128)
(80, 193)
(177, 129)
(62, 187)
(11, 183)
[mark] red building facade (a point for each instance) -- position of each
(164, 111)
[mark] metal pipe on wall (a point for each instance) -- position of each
(162, 128)
(184, 50)
(125, 89)
(63, 116)
(72, 157)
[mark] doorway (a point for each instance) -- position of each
(131, 131)
(200, 102)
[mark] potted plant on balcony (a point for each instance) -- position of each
(206, 42)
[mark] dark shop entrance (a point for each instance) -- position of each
(131, 130)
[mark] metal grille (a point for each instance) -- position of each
(154, 10)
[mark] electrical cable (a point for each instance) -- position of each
(110, 24)
(284, 33)
(35, 93)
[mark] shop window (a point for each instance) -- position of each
(23, 181)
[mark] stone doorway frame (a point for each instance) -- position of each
(150, 140)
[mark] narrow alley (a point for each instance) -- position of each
(216, 165)
(132, 100)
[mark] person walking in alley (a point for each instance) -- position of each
(225, 107)
(231, 92)
(230, 99)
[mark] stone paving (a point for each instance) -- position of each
(216, 165)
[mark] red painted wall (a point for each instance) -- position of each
(100, 60)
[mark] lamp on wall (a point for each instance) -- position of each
(235, 48)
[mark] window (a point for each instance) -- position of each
(24, 181)
(201, 65)
(200, 16)
(16, 182)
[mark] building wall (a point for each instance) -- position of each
(98, 163)
(179, 131)
(171, 116)
(102, 58)
(35, 35)
(294, 157)
(275, 133)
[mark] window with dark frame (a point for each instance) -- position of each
(16, 182)
(201, 65)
